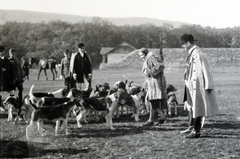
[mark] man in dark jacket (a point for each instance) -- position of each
(80, 69)
(17, 75)
(6, 83)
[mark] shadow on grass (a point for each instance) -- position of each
(121, 130)
(21, 149)
(3, 115)
(61, 152)
(224, 125)
(13, 149)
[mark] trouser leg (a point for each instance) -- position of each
(197, 123)
(20, 90)
(190, 118)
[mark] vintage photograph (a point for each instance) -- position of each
(120, 79)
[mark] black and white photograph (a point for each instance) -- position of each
(120, 79)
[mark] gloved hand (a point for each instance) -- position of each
(187, 106)
(89, 77)
(75, 76)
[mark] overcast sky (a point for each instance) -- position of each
(214, 13)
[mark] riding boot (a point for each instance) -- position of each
(196, 128)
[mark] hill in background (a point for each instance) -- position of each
(176, 57)
(37, 17)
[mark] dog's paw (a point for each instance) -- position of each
(79, 125)
(43, 135)
(137, 120)
(112, 128)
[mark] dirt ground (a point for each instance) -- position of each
(219, 137)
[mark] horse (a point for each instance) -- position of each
(45, 64)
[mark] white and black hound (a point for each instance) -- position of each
(51, 113)
(14, 103)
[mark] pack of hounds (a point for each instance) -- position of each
(85, 106)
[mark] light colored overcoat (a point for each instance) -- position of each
(198, 81)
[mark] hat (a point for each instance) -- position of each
(144, 50)
(80, 45)
(187, 37)
(1, 48)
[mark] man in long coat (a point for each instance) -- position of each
(17, 75)
(80, 69)
(199, 89)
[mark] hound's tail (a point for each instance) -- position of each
(30, 92)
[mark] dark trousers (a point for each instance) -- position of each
(190, 118)
(195, 122)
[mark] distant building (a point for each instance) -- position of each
(111, 55)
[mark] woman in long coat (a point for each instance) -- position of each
(153, 69)
(199, 90)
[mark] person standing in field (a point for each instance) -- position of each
(25, 68)
(153, 70)
(17, 75)
(80, 69)
(199, 93)
(65, 68)
(6, 83)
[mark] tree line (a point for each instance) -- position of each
(50, 40)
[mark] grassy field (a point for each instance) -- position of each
(220, 135)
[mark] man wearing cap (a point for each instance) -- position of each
(17, 75)
(199, 90)
(5, 74)
(65, 70)
(80, 69)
